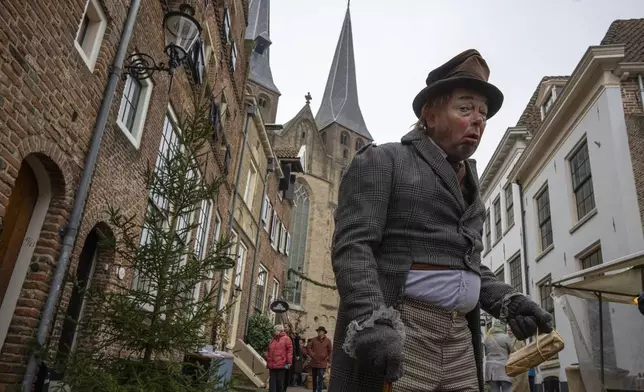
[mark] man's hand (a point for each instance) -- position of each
(380, 349)
(526, 318)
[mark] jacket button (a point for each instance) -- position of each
(467, 259)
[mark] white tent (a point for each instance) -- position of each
(610, 359)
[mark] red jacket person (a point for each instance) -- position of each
(407, 248)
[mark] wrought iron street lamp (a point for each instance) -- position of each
(181, 31)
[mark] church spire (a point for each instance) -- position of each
(340, 101)
(258, 30)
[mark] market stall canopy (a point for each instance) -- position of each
(620, 280)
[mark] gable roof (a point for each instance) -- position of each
(630, 33)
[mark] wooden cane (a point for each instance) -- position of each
(388, 387)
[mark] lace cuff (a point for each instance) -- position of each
(390, 316)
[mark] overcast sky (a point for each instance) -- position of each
(398, 42)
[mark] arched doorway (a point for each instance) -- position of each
(77, 301)
(16, 222)
(28, 204)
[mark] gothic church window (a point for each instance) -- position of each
(296, 258)
(359, 144)
(264, 105)
(345, 155)
(344, 139)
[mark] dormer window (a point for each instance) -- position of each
(549, 102)
(550, 91)
(261, 44)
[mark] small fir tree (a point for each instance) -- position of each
(136, 335)
(260, 332)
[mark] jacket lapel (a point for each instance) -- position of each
(430, 153)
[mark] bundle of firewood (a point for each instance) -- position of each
(534, 354)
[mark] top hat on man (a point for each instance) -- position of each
(466, 70)
(321, 329)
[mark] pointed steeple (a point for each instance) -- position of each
(259, 30)
(340, 101)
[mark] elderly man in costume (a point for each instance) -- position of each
(407, 249)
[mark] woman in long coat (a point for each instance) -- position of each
(498, 347)
(520, 383)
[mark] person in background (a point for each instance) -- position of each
(288, 380)
(532, 373)
(279, 359)
(498, 347)
(319, 348)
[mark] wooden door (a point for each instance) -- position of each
(16, 221)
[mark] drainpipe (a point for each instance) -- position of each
(257, 244)
(71, 231)
(250, 112)
(524, 241)
(639, 79)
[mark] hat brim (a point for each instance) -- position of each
(490, 91)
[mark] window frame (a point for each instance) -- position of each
(544, 223)
(260, 300)
(498, 222)
(96, 26)
(488, 231)
(584, 184)
(509, 206)
(516, 273)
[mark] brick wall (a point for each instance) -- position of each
(634, 113)
(49, 101)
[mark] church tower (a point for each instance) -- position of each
(260, 76)
(339, 118)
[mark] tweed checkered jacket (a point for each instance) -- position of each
(401, 203)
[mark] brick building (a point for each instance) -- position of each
(564, 192)
(56, 58)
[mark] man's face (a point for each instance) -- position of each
(321, 334)
(457, 125)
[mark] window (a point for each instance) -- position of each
(134, 108)
(582, 181)
(233, 251)
(287, 246)
(262, 102)
(500, 274)
(215, 239)
(548, 103)
(498, 230)
(299, 227)
(592, 259)
(280, 237)
(509, 207)
(239, 268)
(205, 212)
(345, 154)
(359, 144)
(227, 29)
(488, 233)
(261, 288)
(344, 139)
(543, 213)
(198, 62)
(282, 248)
(168, 149)
(249, 192)
(90, 33)
(547, 303)
(516, 279)
(266, 211)
(274, 229)
(223, 111)
(233, 56)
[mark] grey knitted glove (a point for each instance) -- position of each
(380, 349)
(525, 317)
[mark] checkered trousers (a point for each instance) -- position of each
(439, 356)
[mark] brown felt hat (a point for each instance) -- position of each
(466, 70)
